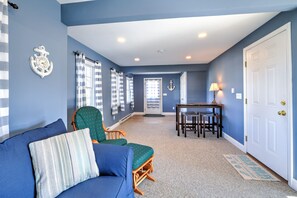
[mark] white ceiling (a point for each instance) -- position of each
(177, 37)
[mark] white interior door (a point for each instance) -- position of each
(267, 103)
(153, 96)
(183, 88)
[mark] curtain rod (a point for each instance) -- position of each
(77, 53)
(118, 71)
(13, 5)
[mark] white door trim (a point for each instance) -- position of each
(161, 93)
(183, 88)
(287, 28)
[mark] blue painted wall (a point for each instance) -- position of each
(74, 45)
(169, 101)
(228, 71)
(196, 87)
(34, 101)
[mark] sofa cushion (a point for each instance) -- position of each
(17, 178)
(63, 161)
(103, 186)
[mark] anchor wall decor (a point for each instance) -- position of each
(171, 86)
(40, 63)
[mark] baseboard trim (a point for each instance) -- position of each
(234, 142)
(124, 119)
(293, 184)
(112, 127)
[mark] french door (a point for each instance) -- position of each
(153, 95)
(268, 102)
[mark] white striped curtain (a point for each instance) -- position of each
(98, 88)
(4, 76)
(80, 80)
(131, 83)
(114, 98)
(121, 89)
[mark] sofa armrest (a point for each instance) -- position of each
(114, 160)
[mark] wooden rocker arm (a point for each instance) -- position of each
(95, 142)
(114, 134)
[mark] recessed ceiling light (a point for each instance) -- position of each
(161, 51)
(136, 59)
(202, 35)
(121, 40)
(188, 57)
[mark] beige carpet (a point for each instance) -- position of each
(192, 167)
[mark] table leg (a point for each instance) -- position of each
(177, 120)
(221, 121)
(213, 120)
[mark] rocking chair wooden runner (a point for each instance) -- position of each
(91, 117)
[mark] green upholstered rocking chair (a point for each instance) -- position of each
(91, 117)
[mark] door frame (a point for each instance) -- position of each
(183, 75)
(285, 28)
(161, 93)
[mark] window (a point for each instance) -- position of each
(118, 89)
(89, 82)
(128, 91)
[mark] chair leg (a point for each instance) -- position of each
(197, 126)
(203, 127)
(218, 130)
(137, 190)
(185, 126)
(194, 124)
(183, 122)
(200, 124)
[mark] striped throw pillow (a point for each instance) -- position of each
(62, 161)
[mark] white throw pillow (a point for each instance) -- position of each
(62, 161)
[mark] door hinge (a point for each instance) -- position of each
(246, 101)
(245, 63)
(246, 139)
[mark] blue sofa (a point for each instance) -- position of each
(17, 174)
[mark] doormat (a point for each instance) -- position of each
(249, 169)
(153, 115)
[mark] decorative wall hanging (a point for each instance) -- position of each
(40, 63)
(171, 86)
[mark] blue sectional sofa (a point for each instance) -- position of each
(17, 174)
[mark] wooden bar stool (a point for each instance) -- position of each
(190, 122)
(210, 122)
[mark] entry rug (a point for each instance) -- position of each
(249, 169)
(153, 115)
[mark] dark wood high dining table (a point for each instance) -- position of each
(199, 105)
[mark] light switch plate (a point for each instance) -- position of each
(239, 96)
(232, 90)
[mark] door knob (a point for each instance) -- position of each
(283, 102)
(282, 113)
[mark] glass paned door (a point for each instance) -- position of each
(153, 95)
